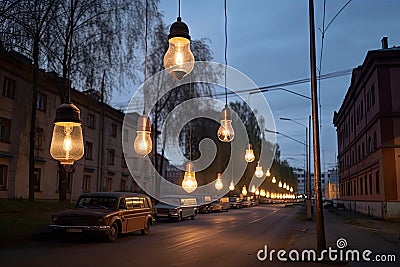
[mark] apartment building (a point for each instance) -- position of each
(103, 167)
(368, 134)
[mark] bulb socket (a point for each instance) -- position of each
(226, 113)
(179, 29)
(68, 112)
(143, 123)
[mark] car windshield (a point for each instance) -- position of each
(97, 202)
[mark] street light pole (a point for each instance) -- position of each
(307, 176)
(319, 216)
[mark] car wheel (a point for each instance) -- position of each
(113, 233)
(179, 217)
(146, 229)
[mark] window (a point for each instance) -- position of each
(366, 185)
(111, 156)
(123, 162)
(123, 185)
(5, 129)
(89, 150)
(377, 189)
(91, 122)
(86, 183)
(370, 183)
(3, 176)
(41, 102)
(363, 150)
(372, 95)
(361, 186)
(354, 188)
(109, 184)
(37, 174)
(39, 136)
(9, 87)
(113, 130)
(369, 145)
(375, 141)
(361, 109)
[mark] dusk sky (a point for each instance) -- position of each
(269, 42)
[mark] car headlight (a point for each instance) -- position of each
(100, 219)
(54, 218)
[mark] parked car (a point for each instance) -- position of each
(224, 201)
(245, 203)
(106, 213)
(235, 202)
(216, 206)
(187, 208)
(205, 208)
(327, 204)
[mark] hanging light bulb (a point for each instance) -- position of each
(280, 184)
(291, 189)
(253, 189)
(268, 173)
(218, 182)
(232, 186)
(257, 192)
(67, 141)
(267, 194)
(284, 185)
(259, 171)
(179, 60)
(189, 183)
(249, 156)
(273, 180)
(143, 144)
(244, 190)
(225, 131)
(262, 192)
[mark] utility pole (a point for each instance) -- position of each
(308, 182)
(319, 216)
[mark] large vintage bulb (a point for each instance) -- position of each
(218, 182)
(249, 156)
(143, 144)
(280, 184)
(273, 180)
(257, 192)
(231, 186)
(284, 185)
(291, 189)
(179, 60)
(259, 171)
(267, 194)
(189, 183)
(268, 173)
(225, 131)
(244, 190)
(67, 140)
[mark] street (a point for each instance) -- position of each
(230, 238)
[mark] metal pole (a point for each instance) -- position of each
(308, 181)
(319, 216)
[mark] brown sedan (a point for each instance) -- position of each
(106, 213)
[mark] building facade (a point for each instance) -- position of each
(368, 135)
(102, 168)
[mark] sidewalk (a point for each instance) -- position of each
(358, 231)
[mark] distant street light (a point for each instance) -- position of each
(308, 162)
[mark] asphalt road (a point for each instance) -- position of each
(230, 238)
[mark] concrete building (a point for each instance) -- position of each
(368, 134)
(103, 166)
(325, 179)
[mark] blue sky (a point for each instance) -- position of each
(268, 40)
